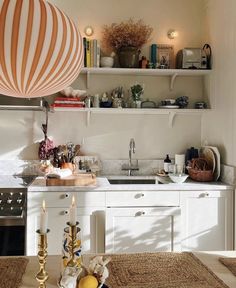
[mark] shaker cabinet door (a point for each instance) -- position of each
(142, 229)
(207, 220)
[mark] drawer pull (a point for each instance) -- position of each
(140, 213)
(205, 194)
(67, 195)
(140, 195)
(65, 212)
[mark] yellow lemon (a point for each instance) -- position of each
(88, 281)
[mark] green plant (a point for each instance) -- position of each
(126, 34)
(136, 92)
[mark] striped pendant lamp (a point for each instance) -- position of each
(41, 49)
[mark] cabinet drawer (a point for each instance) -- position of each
(142, 198)
(63, 199)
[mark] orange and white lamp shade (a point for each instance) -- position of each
(41, 50)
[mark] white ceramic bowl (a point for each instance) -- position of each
(107, 62)
(178, 178)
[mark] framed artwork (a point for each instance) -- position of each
(165, 56)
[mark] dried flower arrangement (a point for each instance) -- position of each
(126, 34)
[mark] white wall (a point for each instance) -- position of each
(219, 126)
(109, 135)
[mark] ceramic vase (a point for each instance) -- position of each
(129, 57)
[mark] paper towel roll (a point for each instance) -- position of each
(180, 159)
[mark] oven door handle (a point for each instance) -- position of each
(10, 217)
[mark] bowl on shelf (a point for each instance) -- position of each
(176, 178)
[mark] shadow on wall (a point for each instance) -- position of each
(29, 150)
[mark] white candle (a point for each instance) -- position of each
(43, 219)
(73, 212)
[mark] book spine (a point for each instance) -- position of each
(68, 105)
(88, 53)
(154, 54)
(67, 99)
(91, 54)
(95, 52)
(98, 54)
(85, 51)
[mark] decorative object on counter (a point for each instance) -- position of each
(105, 102)
(69, 277)
(65, 154)
(165, 56)
(83, 180)
(182, 101)
(126, 39)
(148, 104)
(37, 72)
(117, 97)
(71, 92)
(107, 61)
(136, 94)
(167, 163)
(42, 275)
(200, 170)
(200, 105)
(143, 63)
(46, 146)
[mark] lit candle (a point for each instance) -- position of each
(43, 219)
(73, 212)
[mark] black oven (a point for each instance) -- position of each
(13, 215)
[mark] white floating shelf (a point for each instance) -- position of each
(132, 111)
(173, 73)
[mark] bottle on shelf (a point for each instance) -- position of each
(167, 163)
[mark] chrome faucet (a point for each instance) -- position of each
(131, 167)
(131, 150)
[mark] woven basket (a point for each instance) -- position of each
(200, 171)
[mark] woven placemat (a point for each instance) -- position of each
(230, 263)
(12, 271)
(160, 270)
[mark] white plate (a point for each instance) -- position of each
(217, 157)
(209, 155)
(170, 107)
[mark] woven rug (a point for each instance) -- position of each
(12, 271)
(160, 270)
(230, 263)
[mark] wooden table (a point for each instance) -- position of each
(210, 259)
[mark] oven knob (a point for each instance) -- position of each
(0, 201)
(9, 201)
(19, 200)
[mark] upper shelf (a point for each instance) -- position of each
(173, 73)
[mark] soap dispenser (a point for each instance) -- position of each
(167, 163)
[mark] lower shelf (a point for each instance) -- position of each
(133, 111)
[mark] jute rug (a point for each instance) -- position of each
(160, 270)
(230, 263)
(12, 271)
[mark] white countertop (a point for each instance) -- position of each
(103, 185)
(210, 259)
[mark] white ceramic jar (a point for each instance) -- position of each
(107, 62)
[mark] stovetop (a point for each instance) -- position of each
(13, 181)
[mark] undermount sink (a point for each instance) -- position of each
(131, 181)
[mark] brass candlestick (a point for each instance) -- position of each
(42, 275)
(73, 230)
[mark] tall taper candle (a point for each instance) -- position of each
(43, 219)
(73, 212)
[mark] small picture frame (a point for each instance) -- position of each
(165, 56)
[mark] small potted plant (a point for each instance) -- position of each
(126, 39)
(136, 93)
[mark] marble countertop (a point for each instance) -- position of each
(210, 259)
(103, 185)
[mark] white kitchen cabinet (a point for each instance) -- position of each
(91, 219)
(207, 220)
(142, 229)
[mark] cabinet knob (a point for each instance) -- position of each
(140, 195)
(140, 213)
(65, 212)
(66, 195)
(205, 194)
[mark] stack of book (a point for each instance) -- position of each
(91, 52)
(68, 102)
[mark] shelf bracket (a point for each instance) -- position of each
(172, 82)
(171, 119)
(87, 79)
(88, 118)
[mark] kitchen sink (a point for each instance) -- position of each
(131, 181)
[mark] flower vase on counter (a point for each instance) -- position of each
(136, 94)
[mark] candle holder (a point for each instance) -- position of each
(72, 246)
(42, 275)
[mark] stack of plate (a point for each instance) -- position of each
(212, 155)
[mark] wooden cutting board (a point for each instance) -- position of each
(73, 180)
